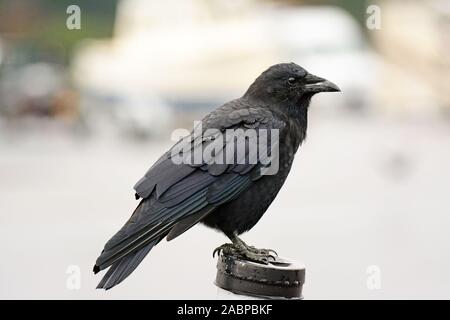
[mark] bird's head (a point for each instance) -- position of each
(288, 83)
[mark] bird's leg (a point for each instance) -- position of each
(241, 249)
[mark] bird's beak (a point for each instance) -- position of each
(315, 84)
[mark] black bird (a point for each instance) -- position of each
(230, 196)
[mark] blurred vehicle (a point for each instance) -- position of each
(35, 89)
(328, 41)
(197, 54)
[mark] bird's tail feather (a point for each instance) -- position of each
(124, 267)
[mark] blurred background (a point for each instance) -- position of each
(84, 112)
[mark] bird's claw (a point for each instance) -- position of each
(226, 248)
(274, 258)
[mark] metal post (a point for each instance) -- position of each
(276, 280)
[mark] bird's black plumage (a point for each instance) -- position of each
(230, 196)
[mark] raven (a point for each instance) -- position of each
(231, 195)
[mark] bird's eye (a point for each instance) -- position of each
(291, 80)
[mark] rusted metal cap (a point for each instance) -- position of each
(278, 279)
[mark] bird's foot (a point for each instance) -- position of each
(245, 252)
(262, 251)
(256, 255)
